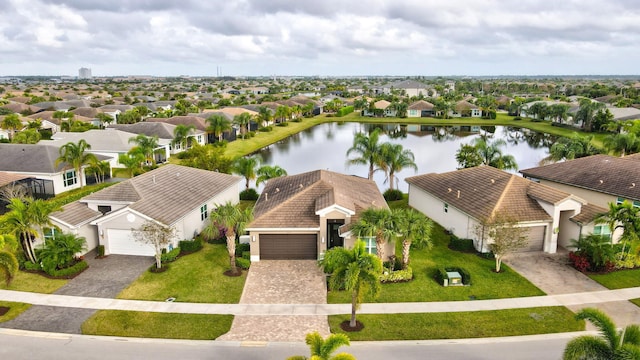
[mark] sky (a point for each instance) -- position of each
(319, 37)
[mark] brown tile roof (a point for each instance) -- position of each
(7, 178)
(588, 213)
(292, 201)
(167, 193)
(602, 173)
(197, 122)
(381, 104)
(463, 105)
(483, 191)
(421, 105)
(75, 214)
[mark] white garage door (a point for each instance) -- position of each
(121, 242)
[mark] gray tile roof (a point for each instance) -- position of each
(602, 173)
(100, 140)
(167, 193)
(292, 201)
(35, 158)
(75, 213)
(160, 129)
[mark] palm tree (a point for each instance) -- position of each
(264, 116)
(98, 169)
(442, 107)
(571, 148)
(242, 120)
(246, 167)
(559, 111)
(181, 135)
(132, 161)
(587, 111)
(353, 270)
(25, 220)
(8, 262)
(322, 349)
(282, 113)
(414, 228)
(394, 158)
(612, 344)
(622, 144)
(487, 153)
(267, 172)
(367, 148)
(12, 123)
(538, 110)
(378, 223)
(75, 156)
(233, 220)
(60, 251)
(218, 124)
(623, 216)
(147, 146)
(467, 156)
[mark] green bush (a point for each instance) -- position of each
(243, 263)
(397, 276)
(249, 194)
(100, 250)
(246, 255)
(29, 266)
(441, 274)
(190, 246)
(70, 271)
(344, 111)
(282, 124)
(266, 128)
(463, 245)
(466, 276)
(240, 248)
(393, 195)
(170, 256)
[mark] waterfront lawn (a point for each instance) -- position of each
(485, 283)
(157, 325)
(461, 325)
(31, 282)
(196, 277)
(15, 309)
(618, 279)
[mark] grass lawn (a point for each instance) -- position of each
(477, 324)
(196, 278)
(15, 310)
(618, 279)
(24, 281)
(485, 283)
(157, 325)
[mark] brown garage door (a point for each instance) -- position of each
(288, 246)
(535, 242)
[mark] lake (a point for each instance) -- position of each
(325, 147)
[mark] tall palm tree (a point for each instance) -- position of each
(414, 228)
(353, 270)
(571, 148)
(246, 167)
(622, 144)
(11, 123)
(322, 349)
(623, 216)
(612, 344)
(242, 120)
(132, 161)
(378, 223)
(267, 172)
(8, 262)
(147, 145)
(367, 149)
(181, 135)
(233, 220)
(99, 169)
(218, 124)
(560, 112)
(25, 220)
(587, 111)
(394, 158)
(75, 156)
(264, 116)
(282, 113)
(492, 155)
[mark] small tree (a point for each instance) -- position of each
(233, 220)
(155, 234)
(322, 349)
(8, 261)
(506, 236)
(59, 251)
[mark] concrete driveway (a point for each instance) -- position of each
(553, 274)
(104, 278)
(281, 282)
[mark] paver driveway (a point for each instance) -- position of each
(553, 274)
(104, 278)
(281, 282)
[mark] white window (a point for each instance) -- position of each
(619, 201)
(370, 245)
(50, 233)
(602, 230)
(70, 178)
(203, 212)
(199, 138)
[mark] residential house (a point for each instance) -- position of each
(301, 216)
(408, 88)
(163, 131)
(420, 108)
(464, 108)
(176, 196)
(380, 108)
(462, 200)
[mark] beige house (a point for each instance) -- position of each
(301, 216)
(460, 200)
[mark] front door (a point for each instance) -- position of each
(333, 235)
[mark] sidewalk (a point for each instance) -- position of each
(594, 297)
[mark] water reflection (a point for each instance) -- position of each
(434, 147)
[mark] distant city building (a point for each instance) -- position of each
(84, 73)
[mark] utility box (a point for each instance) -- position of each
(454, 278)
(244, 239)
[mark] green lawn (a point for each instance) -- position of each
(15, 310)
(477, 324)
(196, 278)
(618, 279)
(24, 281)
(486, 284)
(157, 325)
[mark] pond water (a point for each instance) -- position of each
(325, 147)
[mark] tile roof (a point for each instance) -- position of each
(160, 129)
(75, 213)
(100, 140)
(198, 122)
(28, 158)
(421, 105)
(618, 176)
(8, 178)
(483, 191)
(167, 193)
(292, 201)
(588, 213)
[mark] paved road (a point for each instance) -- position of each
(19, 345)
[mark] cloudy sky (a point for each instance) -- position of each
(319, 37)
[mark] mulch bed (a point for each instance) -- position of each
(4, 310)
(345, 326)
(231, 273)
(66, 277)
(156, 270)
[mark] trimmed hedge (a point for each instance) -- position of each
(344, 111)
(246, 255)
(170, 256)
(190, 246)
(243, 263)
(70, 271)
(393, 195)
(464, 245)
(242, 248)
(397, 276)
(249, 194)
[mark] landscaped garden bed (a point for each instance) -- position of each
(10, 310)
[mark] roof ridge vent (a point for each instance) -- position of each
(449, 190)
(493, 181)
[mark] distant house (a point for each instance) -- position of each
(464, 108)
(420, 108)
(380, 108)
(408, 87)
(163, 131)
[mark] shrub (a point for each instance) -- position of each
(580, 262)
(100, 250)
(70, 271)
(441, 274)
(466, 276)
(240, 248)
(397, 276)
(249, 194)
(190, 246)
(243, 263)
(627, 261)
(59, 251)
(266, 128)
(517, 118)
(29, 266)
(462, 245)
(597, 250)
(170, 256)
(246, 255)
(283, 124)
(250, 134)
(344, 111)
(393, 195)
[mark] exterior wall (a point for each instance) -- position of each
(569, 208)
(87, 231)
(413, 113)
(124, 221)
(568, 230)
(322, 237)
(592, 197)
(476, 113)
(113, 162)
